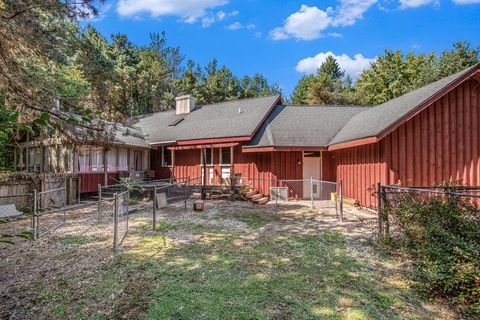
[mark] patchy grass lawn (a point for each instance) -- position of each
(230, 262)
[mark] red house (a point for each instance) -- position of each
(422, 138)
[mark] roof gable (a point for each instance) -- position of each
(385, 116)
(221, 120)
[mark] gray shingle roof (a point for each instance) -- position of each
(303, 126)
(377, 119)
(129, 135)
(220, 120)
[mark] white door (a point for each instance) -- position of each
(311, 169)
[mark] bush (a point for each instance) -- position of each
(442, 235)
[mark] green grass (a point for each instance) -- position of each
(228, 275)
(253, 219)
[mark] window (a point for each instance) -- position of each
(166, 157)
(226, 156)
(225, 173)
(137, 160)
(84, 160)
(209, 177)
(208, 156)
(34, 159)
(97, 160)
(122, 160)
(112, 160)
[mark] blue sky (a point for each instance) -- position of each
(285, 39)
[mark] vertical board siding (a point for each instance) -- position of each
(440, 144)
(260, 167)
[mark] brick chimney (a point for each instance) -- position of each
(184, 104)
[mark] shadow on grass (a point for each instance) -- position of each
(284, 276)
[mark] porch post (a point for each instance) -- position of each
(204, 168)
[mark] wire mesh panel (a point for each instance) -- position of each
(15, 205)
(394, 201)
(50, 211)
(120, 218)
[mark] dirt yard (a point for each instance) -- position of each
(232, 261)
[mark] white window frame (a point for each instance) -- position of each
(97, 154)
(171, 158)
(226, 173)
(122, 160)
(221, 158)
(201, 157)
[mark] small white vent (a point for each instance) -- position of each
(279, 194)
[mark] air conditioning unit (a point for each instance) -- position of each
(279, 194)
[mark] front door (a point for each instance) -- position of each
(311, 169)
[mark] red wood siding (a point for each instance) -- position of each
(89, 181)
(259, 166)
(439, 144)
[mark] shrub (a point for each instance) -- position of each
(442, 235)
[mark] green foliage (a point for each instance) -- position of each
(389, 76)
(395, 73)
(442, 234)
(329, 86)
(213, 84)
(300, 93)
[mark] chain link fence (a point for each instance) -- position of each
(318, 194)
(393, 199)
(120, 218)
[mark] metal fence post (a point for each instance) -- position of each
(34, 215)
(311, 192)
(99, 201)
(341, 200)
(154, 218)
(379, 210)
(128, 207)
(115, 222)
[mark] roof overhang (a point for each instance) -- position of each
(353, 143)
(204, 146)
(473, 74)
(213, 140)
(274, 149)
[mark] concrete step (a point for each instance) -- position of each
(262, 201)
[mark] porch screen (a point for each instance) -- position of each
(84, 160)
(97, 160)
(122, 159)
(137, 160)
(112, 160)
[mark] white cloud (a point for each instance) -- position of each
(352, 66)
(305, 24)
(258, 34)
(335, 35)
(466, 1)
(210, 19)
(350, 11)
(251, 26)
(102, 13)
(234, 26)
(207, 21)
(309, 22)
(405, 4)
(189, 10)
